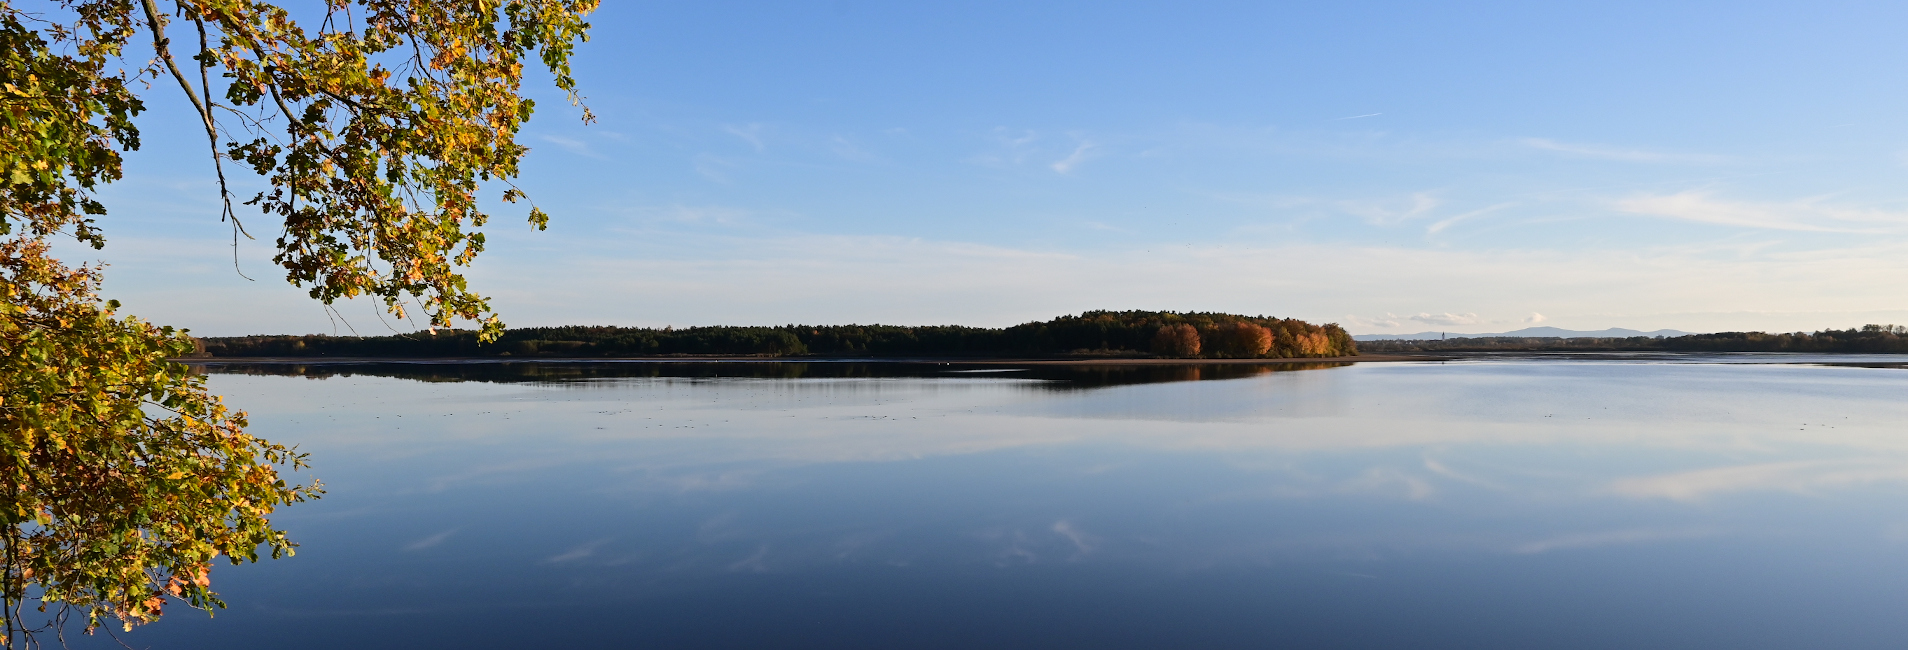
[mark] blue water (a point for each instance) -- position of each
(1679, 502)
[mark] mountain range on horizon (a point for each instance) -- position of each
(1528, 332)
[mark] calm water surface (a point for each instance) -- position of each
(1656, 502)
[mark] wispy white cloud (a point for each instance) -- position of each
(679, 213)
(1601, 152)
(1015, 140)
(750, 133)
(1448, 318)
(1381, 211)
(1534, 318)
(1384, 212)
(572, 145)
(1442, 224)
(1105, 227)
(1812, 215)
(713, 167)
(1387, 321)
(1079, 155)
(1009, 147)
(847, 149)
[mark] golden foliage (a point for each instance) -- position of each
(1313, 344)
(123, 478)
(1241, 340)
(1179, 340)
(374, 131)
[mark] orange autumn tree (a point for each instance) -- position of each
(375, 124)
(1241, 340)
(1180, 340)
(1313, 344)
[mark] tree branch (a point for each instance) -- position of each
(163, 47)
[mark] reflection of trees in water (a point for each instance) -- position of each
(1074, 377)
(1055, 377)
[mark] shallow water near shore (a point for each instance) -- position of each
(1742, 501)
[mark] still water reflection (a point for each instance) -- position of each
(1499, 503)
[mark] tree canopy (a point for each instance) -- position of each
(1195, 335)
(374, 124)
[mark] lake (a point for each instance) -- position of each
(1654, 501)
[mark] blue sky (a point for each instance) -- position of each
(1393, 167)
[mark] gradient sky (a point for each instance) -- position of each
(1392, 167)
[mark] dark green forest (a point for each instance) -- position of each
(1868, 339)
(1195, 335)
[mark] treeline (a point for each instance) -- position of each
(1869, 339)
(1196, 335)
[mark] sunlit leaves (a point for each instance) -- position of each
(123, 478)
(61, 115)
(1245, 340)
(375, 129)
(389, 130)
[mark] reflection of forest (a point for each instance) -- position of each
(1055, 377)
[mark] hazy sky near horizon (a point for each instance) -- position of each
(1393, 167)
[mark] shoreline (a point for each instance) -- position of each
(1047, 361)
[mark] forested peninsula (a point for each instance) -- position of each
(1107, 334)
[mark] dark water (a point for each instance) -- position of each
(1651, 502)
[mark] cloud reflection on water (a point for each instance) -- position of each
(1610, 538)
(1800, 477)
(1370, 493)
(698, 434)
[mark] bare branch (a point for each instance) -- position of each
(161, 46)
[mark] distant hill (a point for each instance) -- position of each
(1528, 333)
